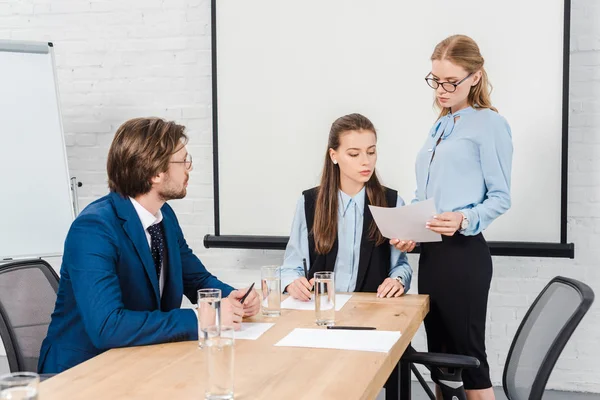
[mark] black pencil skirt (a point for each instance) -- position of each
(456, 274)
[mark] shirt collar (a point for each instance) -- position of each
(445, 125)
(346, 201)
(146, 216)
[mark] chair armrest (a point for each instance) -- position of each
(442, 360)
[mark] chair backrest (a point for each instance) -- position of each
(542, 335)
(27, 297)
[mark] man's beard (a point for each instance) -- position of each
(171, 193)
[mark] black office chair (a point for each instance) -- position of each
(539, 341)
(27, 296)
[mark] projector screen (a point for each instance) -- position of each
(283, 71)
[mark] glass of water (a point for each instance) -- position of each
(19, 386)
(271, 291)
(325, 298)
(219, 350)
(209, 312)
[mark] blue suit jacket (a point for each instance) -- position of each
(109, 295)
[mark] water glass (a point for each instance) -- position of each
(19, 386)
(325, 298)
(209, 312)
(219, 353)
(271, 291)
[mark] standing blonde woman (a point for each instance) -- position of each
(465, 166)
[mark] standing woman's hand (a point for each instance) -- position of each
(446, 223)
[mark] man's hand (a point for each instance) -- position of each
(300, 289)
(232, 313)
(251, 303)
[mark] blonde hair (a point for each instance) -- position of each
(463, 51)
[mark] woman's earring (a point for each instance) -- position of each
(335, 162)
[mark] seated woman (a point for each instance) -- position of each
(333, 229)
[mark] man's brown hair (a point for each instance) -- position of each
(141, 149)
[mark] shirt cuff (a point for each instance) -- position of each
(398, 276)
(470, 215)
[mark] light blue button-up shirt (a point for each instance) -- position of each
(350, 227)
(469, 170)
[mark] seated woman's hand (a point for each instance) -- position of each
(390, 288)
(300, 289)
(403, 245)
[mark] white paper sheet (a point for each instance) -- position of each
(293, 304)
(252, 330)
(377, 341)
(406, 223)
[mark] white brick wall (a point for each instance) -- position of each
(128, 58)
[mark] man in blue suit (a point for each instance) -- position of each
(126, 263)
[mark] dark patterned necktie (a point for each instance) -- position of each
(157, 244)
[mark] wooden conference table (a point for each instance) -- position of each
(262, 370)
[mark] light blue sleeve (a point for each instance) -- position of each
(296, 249)
(399, 266)
(416, 198)
(495, 153)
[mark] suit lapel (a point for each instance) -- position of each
(366, 246)
(135, 231)
(173, 267)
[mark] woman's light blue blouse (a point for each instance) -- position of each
(350, 227)
(469, 169)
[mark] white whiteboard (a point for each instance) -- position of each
(287, 69)
(36, 200)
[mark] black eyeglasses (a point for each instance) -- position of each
(187, 162)
(447, 86)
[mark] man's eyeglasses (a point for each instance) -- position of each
(187, 162)
(447, 86)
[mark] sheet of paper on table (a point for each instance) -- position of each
(377, 341)
(293, 304)
(252, 330)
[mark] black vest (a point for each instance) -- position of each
(374, 261)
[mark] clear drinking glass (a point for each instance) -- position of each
(271, 291)
(19, 386)
(325, 298)
(209, 311)
(219, 350)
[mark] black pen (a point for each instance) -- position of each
(305, 269)
(353, 328)
(247, 293)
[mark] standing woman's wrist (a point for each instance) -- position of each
(464, 222)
